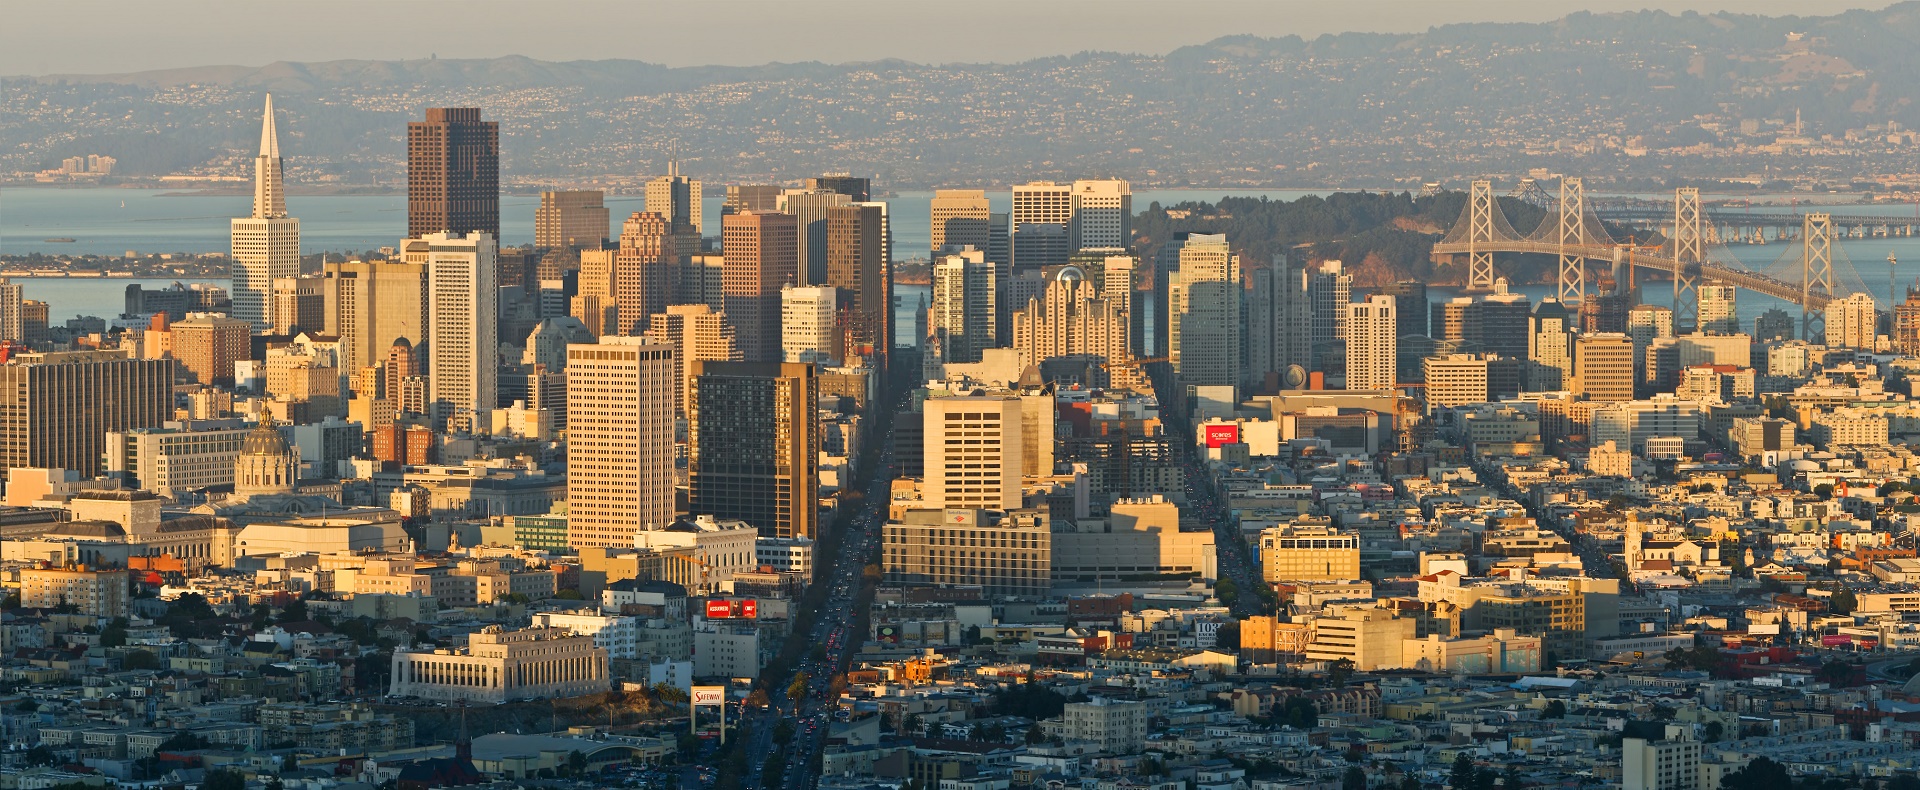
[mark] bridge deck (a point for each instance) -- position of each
(1740, 279)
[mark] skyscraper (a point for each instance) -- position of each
(676, 197)
(1373, 330)
(696, 333)
(759, 259)
(809, 209)
(1205, 334)
(1102, 214)
(753, 445)
(1072, 318)
(205, 345)
(463, 343)
(858, 188)
(576, 218)
(1330, 289)
(13, 324)
(752, 197)
(56, 408)
(973, 473)
(644, 269)
(961, 218)
(1603, 367)
(374, 303)
(1042, 202)
(266, 245)
(1719, 310)
(1851, 322)
(453, 174)
(962, 312)
(1550, 346)
(620, 448)
(859, 267)
(809, 332)
(1279, 323)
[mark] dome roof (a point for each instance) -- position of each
(265, 440)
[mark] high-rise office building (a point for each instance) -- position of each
(677, 198)
(374, 303)
(1072, 319)
(576, 218)
(1603, 367)
(961, 218)
(1906, 325)
(759, 259)
(809, 209)
(595, 302)
(962, 311)
(463, 344)
(752, 197)
(1329, 289)
(753, 445)
(1373, 330)
(1454, 380)
(1042, 202)
(266, 245)
(57, 408)
(1719, 310)
(859, 188)
(620, 447)
(1101, 214)
(12, 319)
(1279, 321)
(1498, 322)
(453, 174)
(809, 331)
(859, 267)
(972, 449)
(644, 269)
(1410, 300)
(1041, 245)
(207, 344)
(1851, 322)
(1550, 346)
(696, 333)
(1205, 333)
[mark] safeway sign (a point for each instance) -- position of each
(709, 695)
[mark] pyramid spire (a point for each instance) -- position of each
(269, 192)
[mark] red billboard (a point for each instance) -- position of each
(1831, 640)
(721, 609)
(1222, 434)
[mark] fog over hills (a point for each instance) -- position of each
(1631, 96)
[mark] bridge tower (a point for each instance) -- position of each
(1816, 272)
(1688, 252)
(1480, 210)
(1573, 233)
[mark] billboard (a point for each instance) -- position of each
(722, 609)
(1831, 640)
(1222, 434)
(709, 695)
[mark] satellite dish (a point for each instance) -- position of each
(1296, 377)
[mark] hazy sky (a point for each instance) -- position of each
(101, 36)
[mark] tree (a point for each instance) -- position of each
(688, 746)
(139, 659)
(1555, 710)
(1411, 782)
(183, 742)
(1355, 778)
(1228, 636)
(1035, 735)
(783, 731)
(576, 762)
(1824, 491)
(223, 779)
(797, 690)
(569, 595)
(1836, 672)
(41, 755)
(262, 616)
(912, 724)
(1843, 602)
(115, 634)
(1464, 773)
(1760, 774)
(1339, 671)
(1296, 712)
(1714, 731)
(11, 602)
(1510, 780)
(295, 612)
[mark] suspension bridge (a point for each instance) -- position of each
(1572, 232)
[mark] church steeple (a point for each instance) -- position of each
(269, 192)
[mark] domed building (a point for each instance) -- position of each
(266, 465)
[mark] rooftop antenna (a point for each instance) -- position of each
(673, 159)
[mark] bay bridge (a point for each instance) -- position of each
(1572, 231)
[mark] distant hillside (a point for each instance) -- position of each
(1644, 98)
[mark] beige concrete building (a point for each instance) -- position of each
(697, 333)
(171, 461)
(1369, 637)
(1072, 318)
(961, 313)
(1007, 553)
(808, 328)
(502, 666)
(973, 452)
(1372, 343)
(1138, 536)
(373, 304)
(1454, 380)
(960, 217)
(1114, 726)
(1603, 367)
(57, 408)
(102, 593)
(620, 437)
(463, 344)
(1309, 553)
(1204, 334)
(207, 344)
(571, 218)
